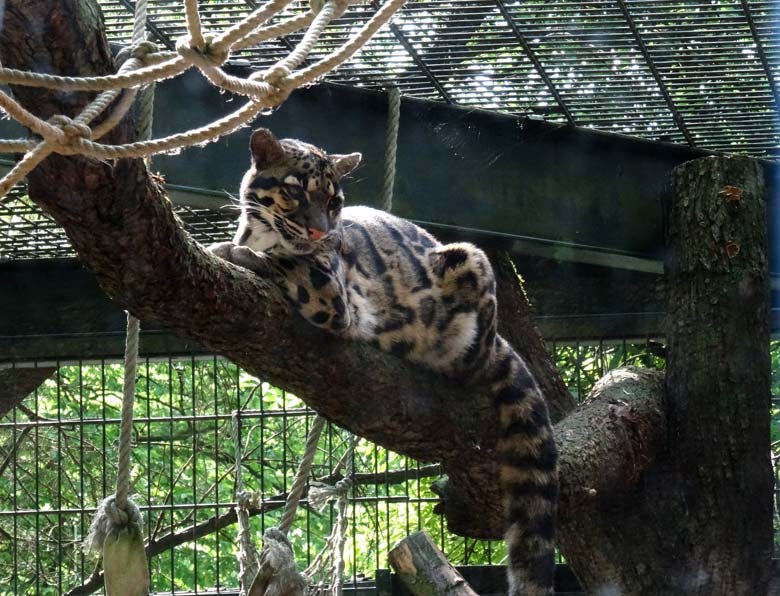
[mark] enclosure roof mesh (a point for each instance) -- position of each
(703, 73)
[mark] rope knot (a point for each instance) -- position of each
(209, 55)
(143, 49)
(110, 516)
(140, 51)
(276, 75)
(320, 494)
(276, 80)
(245, 499)
(118, 516)
(72, 129)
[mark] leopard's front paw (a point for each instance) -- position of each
(222, 249)
(243, 256)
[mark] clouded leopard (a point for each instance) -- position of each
(367, 275)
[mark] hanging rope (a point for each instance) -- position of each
(328, 565)
(117, 528)
(248, 557)
(207, 52)
(273, 571)
(302, 475)
(391, 146)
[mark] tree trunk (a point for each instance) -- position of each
(698, 522)
(637, 513)
(718, 375)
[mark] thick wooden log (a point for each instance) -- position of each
(718, 375)
(696, 519)
(424, 570)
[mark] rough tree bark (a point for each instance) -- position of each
(623, 492)
(698, 522)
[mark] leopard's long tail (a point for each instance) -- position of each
(529, 474)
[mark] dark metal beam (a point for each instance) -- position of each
(417, 59)
(678, 119)
(53, 310)
(535, 61)
(761, 54)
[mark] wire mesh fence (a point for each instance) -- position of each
(58, 452)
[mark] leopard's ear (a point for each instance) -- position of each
(266, 148)
(344, 164)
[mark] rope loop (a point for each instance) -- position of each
(246, 499)
(72, 128)
(144, 49)
(140, 51)
(209, 55)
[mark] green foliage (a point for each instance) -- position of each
(183, 470)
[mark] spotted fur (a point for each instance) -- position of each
(373, 277)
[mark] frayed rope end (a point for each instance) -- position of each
(110, 519)
(117, 534)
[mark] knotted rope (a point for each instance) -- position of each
(328, 565)
(273, 572)
(248, 557)
(206, 51)
(117, 528)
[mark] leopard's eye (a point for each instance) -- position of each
(334, 204)
(296, 193)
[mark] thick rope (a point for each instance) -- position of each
(277, 574)
(117, 528)
(247, 553)
(126, 427)
(139, 21)
(302, 475)
(331, 557)
(391, 146)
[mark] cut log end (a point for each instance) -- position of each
(424, 570)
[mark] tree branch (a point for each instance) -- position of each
(18, 383)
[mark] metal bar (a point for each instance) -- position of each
(656, 74)
(535, 61)
(761, 53)
(418, 61)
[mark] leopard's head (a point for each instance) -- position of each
(291, 196)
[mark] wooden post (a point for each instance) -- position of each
(424, 570)
(718, 375)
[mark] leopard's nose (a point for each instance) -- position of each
(315, 234)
